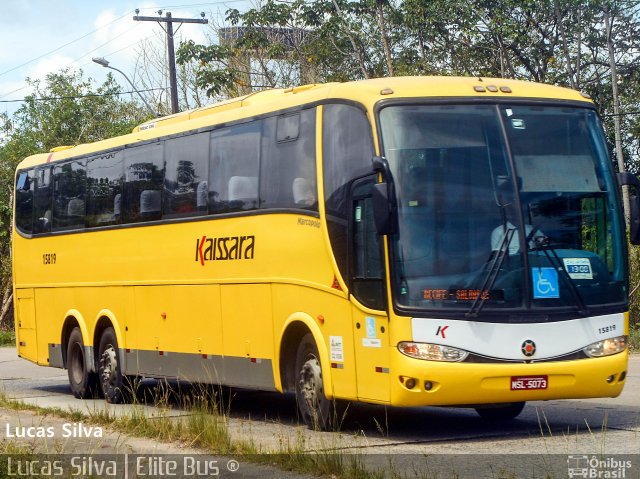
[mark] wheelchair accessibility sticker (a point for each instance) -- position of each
(545, 283)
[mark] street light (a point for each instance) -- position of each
(104, 63)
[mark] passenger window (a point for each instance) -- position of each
(69, 182)
(105, 176)
(347, 147)
(24, 201)
(144, 174)
(288, 167)
(185, 183)
(42, 201)
(234, 168)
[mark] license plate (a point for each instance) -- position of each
(528, 383)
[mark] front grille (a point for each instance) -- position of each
(477, 358)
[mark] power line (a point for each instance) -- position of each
(75, 97)
(65, 45)
(624, 113)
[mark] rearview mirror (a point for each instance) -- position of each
(628, 179)
(383, 196)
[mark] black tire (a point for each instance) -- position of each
(501, 412)
(317, 411)
(112, 381)
(84, 384)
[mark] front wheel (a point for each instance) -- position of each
(83, 383)
(110, 369)
(501, 412)
(315, 408)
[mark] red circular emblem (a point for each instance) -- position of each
(528, 348)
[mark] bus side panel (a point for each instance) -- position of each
(85, 305)
(179, 328)
(247, 335)
(25, 320)
(336, 330)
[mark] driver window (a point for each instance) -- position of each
(367, 276)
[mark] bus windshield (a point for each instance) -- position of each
(501, 208)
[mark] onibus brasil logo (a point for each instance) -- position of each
(593, 467)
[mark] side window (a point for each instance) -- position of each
(24, 201)
(234, 168)
(288, 167)
(105, 175)
(185, 181)
(42, 201)
(367, 271)
(69, 183)
(347, 146)
(143, 178)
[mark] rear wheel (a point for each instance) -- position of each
(112, 381)
(501, 412)
(83, 383)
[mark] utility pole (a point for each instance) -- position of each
(617, 128)
(169, 20)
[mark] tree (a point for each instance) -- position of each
(64, 109)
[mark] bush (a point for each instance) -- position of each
(7, 338)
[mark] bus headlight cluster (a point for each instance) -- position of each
(432, 352)
(606, 347)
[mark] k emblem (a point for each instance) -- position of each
(528, 348)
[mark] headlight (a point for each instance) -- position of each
(432, 352)
(606, 347)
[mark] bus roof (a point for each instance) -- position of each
(366, 92)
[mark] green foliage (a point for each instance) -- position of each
(7, 338)
(64, 109)
(563, 42)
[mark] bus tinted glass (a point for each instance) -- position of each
(144, 174)
(477, 228)
(42, 201)
(235, 168)
(185, 182)
(24, 201)
(105, 176)
(69, 182)
(347, 147)
(287, 170)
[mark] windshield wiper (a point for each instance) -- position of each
(543, 243)
(492, 275)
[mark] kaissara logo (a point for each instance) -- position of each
(225, 249)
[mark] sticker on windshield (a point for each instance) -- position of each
(518, 124)
(578, 268)
(545, 283)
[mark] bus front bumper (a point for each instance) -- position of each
(416, 382)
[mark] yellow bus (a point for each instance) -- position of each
(400, 241)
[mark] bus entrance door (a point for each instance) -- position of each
(370, 321)
(372, 355)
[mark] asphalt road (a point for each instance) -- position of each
(269, 421)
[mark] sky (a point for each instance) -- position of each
(44, 36)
